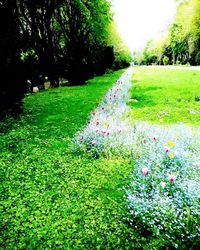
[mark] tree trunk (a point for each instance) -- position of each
(174, 58)
(54, 82)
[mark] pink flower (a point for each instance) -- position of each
(196, 164)
(155, 138)
(171, 177)
(93, 142)
(145, 171)
(166, 150)
(103, 131)
(145, 141)
(97, 130)
(108, 132)
(97, 123)
(102, 108)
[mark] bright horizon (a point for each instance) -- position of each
(141, 20)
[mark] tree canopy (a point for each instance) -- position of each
(181, 42)
(56, 39)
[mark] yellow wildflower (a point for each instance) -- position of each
(106, 125)
(171, 144)
(171, 155)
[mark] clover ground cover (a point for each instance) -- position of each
(50, 198)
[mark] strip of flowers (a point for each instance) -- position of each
(163, 197)
(106, 132)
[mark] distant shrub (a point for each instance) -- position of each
(166, 60)
(109, 71)
(197, 58)
(178, 62)
(197, 98)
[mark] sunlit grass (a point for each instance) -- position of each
(165, 95)
(51, 198)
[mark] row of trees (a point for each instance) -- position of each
(181, 43)
(54, 38)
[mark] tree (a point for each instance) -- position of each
(87, 45)
(182, 42)
(122, 54)
(12, 81)
(165, 60)
(68, 37)
(37, 26)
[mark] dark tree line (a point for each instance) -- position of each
(54, 39)
(12, 81)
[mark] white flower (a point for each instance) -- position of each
(163, 184)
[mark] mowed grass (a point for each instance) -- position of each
(165, 95)
(50, 198)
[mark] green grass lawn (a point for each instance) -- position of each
(50, 198)
(165, 95)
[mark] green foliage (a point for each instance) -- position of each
(122, 53)
(26, 55)
(149, 55)
(160, 95)
(181, 41)
(68, 37)
(197, 58)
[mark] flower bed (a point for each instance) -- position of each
(164, 193)
(107, 129)
(163, 198)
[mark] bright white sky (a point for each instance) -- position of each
(141, 20)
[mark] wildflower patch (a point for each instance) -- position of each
(164, 192)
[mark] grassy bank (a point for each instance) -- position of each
(50, 198)
(165, 95)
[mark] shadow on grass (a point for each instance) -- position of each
(142, 96)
